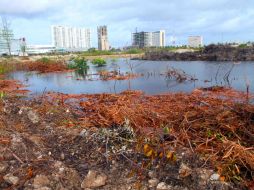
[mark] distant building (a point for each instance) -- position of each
(195, 41)
(6, 41)
(40, 49)
(148, 39)
(103, 43)
(71, 38)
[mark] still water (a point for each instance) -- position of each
(152, 81)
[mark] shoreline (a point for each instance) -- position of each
(208, 53)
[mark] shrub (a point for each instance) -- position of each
(94, 52)
(134, 51)
(45, 60)
(78, 63)
(99, 62)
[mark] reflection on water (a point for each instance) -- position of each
(152, 80)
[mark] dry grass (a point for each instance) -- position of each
(217, 124)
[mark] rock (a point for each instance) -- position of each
(68, 177)
(164, 186)
(43, 188)
(153, 182)
(151, 174)
(184, 171)
(11, 179)
(3, 167)
(40, 181)
(94, 179)
(62, 156)
(36, 139)
(83, 133)
(215, 177)
(34, 118)
(203, 176)
(219, 185)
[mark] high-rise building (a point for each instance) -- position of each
(103, 43)
(148, 39)
(71, 38)
(195, 41)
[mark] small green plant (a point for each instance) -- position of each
(78, 63)
(2, 69)
(2, 95)
(99, 62)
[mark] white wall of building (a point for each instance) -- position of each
(71, 38)
(158, 38)
(195, 41)
(149, 39)
(40, 49)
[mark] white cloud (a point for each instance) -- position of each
(25, 8)
(181, 17)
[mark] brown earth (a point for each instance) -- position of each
(110, 141)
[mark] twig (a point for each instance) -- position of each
(133, 162)
(107, 149)
(15, 156)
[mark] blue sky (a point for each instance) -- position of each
(215, 20)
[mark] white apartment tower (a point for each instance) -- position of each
(149, 39)
(103, 43)
(195, 41)
(71, 38)
(158, 38)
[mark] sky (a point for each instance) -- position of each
(215, 20)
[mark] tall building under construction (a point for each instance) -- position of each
(103, 43)
(148, 39)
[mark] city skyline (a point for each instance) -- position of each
(224, 21)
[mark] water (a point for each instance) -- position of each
(152, 81)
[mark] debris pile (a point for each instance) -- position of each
(45, 67)
(114, 75)
(216, 124)
(179, 75)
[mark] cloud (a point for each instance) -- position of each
(27, 8)
(232, 18)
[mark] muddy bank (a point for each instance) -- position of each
(127, 141)
(209, 53)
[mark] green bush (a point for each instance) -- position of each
(134, 51)
(99, 62)
(94, 52)
(243, 45)
(78, 63)
(45, 60)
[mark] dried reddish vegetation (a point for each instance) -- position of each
(218, 124)
(42, 67)
(11, 86)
